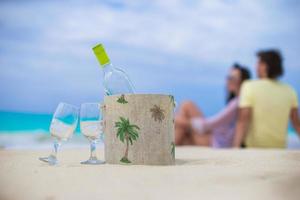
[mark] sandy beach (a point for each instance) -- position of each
(199, 173)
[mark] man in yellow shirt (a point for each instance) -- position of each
(266, 105)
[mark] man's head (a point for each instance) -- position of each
(269, 64)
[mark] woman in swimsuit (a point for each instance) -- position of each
(193, 128)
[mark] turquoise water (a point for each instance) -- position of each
(26, 122)
(17, 122)
(29, 130)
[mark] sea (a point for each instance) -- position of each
(31, 131)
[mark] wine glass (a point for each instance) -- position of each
(62, 126)
(91, 128)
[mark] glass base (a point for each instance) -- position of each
(92, 161)
(51, 160)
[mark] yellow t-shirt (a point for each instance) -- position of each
(271, 102)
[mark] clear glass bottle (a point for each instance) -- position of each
(115, 81)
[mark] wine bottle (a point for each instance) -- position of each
(115, 81)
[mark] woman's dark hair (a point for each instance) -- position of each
(273, 60)
(245, 74)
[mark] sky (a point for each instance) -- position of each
(179, 47)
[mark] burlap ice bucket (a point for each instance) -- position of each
(139, 129)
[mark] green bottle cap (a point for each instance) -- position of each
(101, 55)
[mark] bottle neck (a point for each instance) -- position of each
(107, 67)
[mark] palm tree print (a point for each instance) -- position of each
(158, 114)
(122, 99)
(173, 104)
(127, 133)
(173, 149)
(172, 100)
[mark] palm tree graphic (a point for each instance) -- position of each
(172, 100)
(127, 133)
(157, 113)
(173, 149)
(122, 99)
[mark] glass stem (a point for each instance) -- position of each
(93, 149)
(56, 146)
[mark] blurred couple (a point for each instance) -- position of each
(256, 114)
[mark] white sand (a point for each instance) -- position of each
(199, 174)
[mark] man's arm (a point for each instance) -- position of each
(244, 118)
(294, 116)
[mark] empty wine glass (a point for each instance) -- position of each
(91, 128)
(62, 126)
